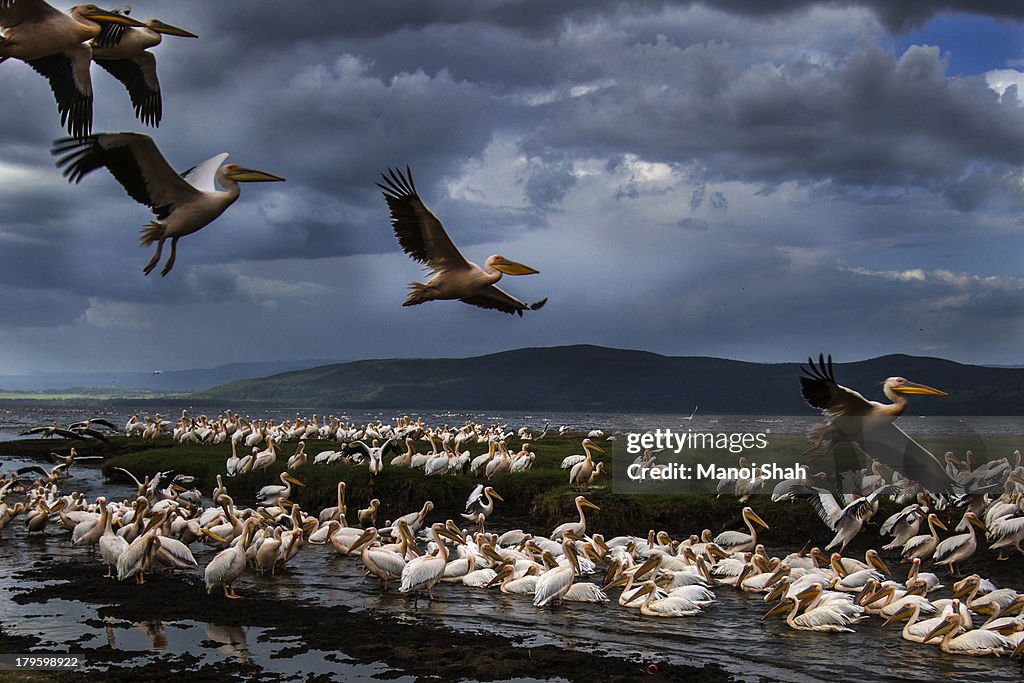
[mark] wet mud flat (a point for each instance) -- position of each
(407, 646)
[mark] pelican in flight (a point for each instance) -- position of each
(424, 238)
(183, 204)
(124, 53)
(55, 45)
(869, 424)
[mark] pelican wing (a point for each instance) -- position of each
(476, 495)
(882, 440)
(138, 75)
(823, 502)
(134, 161)
(110, 34)
(498, 299)
(68, 74)
(203, 176)
(420, 233)
(821, 391)
(14, 12)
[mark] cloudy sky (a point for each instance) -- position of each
(692, 178)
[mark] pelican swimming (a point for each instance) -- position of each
(977, 642)
(737, 541)
(870, 424)
(124, 53)
(55, 45)
(182, 204)
(424, 238)
(556, 582)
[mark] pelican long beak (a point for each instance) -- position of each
(447, 533)
(978, 523)
(809, 593)
(494, 494)
(646, 590)
(752, 516)
(1017, 651)
(646, 567)
(490, 552)
(109, 17)
(210, 534)
(938, 523)
(167, 29)
(947, 625)
(595, 447)
(499, 577)
(776, 592)
(918, 389)
(904, 613)
(252, 175)
(777, 576)
(621, 581)
(293, 480)
(780, 608)
(876, 562)
(964, 590)
(588, 504)
(361, 541)
(513, 268)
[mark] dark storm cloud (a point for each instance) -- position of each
(683, 144)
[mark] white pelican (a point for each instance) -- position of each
(182, 204)
(830, 617)
(124, 53)
(977, 642)
(737, 541)
(475, 503)
(386, 565)
(870, 424)
(423, 237)
(581, 472)
(845, 521)
(919, 630)
(957, 549)
(54, 44)
(111, 545)
(671, 606)
(574, 528)
(225, 568)
(368, 515)
(923, 545)
(427, 570)
(271, 495)
(556, 582)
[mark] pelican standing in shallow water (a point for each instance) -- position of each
(225, 568)
(424, 238)
(124, 53)
(55, 45)
(426, 570)
(183, 204)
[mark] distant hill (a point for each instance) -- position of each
(597, 379)
(163, 381)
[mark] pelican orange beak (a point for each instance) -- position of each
(918, 390)
(494, 494)
(571, 554)
(252, 175)
(978, 523)
(167, 29)
(595, 446)
(451, 536)
(365, 538)
(491, 553)
(108, 17)
(1017, 651)
(717, 552)
(877, 562)
(777, 576)
(587, 504)
(938, 523)
(809, 593)
(456, 531)
(753, 517)
(513, 268)
(210, 534)
(293, 480)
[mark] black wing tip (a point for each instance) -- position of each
(398, 185)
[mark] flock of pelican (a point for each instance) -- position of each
(63, 46)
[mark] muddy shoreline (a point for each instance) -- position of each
(418, 646)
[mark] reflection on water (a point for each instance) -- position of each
(232, 641)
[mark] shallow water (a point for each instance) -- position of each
(730, 633)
